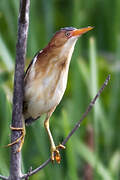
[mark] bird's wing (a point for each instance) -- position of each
(28, 68)
(29, 120)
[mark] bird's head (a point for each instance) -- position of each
(61, 46)
(64, 40)
(68, 35)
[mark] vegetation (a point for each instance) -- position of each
(96, 55)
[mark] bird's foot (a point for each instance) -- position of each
(55, 154)
(21, 138)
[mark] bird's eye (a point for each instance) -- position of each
(67, 34)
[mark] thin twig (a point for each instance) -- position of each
(73, 130)
(37, 169)
(88, 110)
(3, 177)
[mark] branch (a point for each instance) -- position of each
(88, 110)
(31, 172)
(23, 22)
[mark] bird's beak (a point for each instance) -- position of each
(78, 32)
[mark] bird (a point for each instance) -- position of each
(45, 82)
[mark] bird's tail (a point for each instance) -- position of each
(30, 120)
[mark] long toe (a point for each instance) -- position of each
(20, 139)
(55, 154)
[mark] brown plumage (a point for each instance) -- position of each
(46, 79)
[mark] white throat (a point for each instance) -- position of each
(68, 48)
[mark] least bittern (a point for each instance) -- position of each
(46, 79)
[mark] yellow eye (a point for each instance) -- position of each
(67, 34)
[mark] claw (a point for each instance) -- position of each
(57, 157)
(55, 154)
(21, 138)
(60, 146)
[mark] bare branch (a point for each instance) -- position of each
(88, 110)
(73, 130)
(37, 169)
(23, 22)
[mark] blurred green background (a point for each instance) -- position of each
(93, 152)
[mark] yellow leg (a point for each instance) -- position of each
(21, 138)
(55, 155)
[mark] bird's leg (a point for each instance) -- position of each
(21, 138)
(55, 155)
